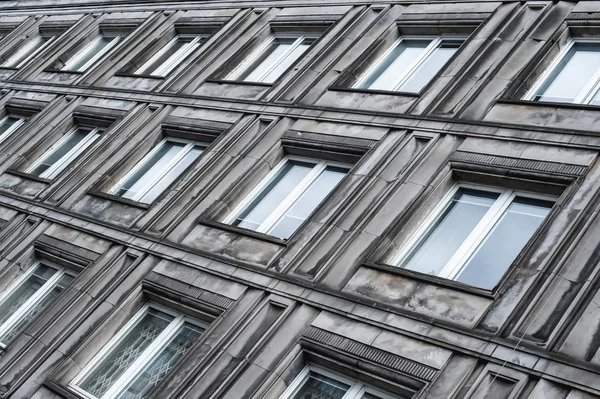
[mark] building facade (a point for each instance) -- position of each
(299, 199)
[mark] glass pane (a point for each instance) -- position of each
(451, 229)
(504, 243)
(125, 352)
(273, 194)
(27, 49)
(88, 53)
(287, 62)
(61, 151)
(172, 175)
(169, 56)
(24, 292)
(388, 72)
(162, 363)
(37, 308)
(308, 202)
(147, 172)
(431, 66)
(570, 76)
(6, 125)
(317, 386)
(275, 50)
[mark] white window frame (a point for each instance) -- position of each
(26, 47)
(290, 199)
(436, 41)
(66, 159)
(168, 167)
(143, 360)
(476, 237)
(250, 59)
(356, 391)
(11, 129)
(177, 58)
(74, 59)
(50, 284)
(587, 93)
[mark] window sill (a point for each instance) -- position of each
(545, 104)
(243, 231)
(5, 68)
(52, 70)
(368, 91)
(144, 76)
(434, 280)
(122, 200)
(28, 176)
(240, 82)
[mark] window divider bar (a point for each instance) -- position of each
(376, 63)
(99, 54)
(73, 153)
(425, 54)
(8, 132)
(178, 57)
(282, 57)
(147, 64)
(245, 64)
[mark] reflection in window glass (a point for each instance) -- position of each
(171, 55)
(26, 51)
(83, 59)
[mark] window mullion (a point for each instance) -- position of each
(417, 63)
(251, 58)
(538, 84)
(35, 52)
(40, 293)
(11, 129)
(145, 357)
(136, 167)
(355, 390)
(73, 60)
(281, 58)
(588, 91)
(376, 64)
(156, 56)
(291, 198)
(70, 155)
(23, 50)
(479, 233)
(99, 54)
(175, 58)
(50, 150)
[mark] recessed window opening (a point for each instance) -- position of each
(27, 51)
(8, 125)
(171, 55)
(91, 53)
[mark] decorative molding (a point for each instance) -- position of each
(387, 359)
(325, 141)
(518, 163)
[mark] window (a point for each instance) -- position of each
(29, 296)
(171, 55)
(8, 125)
(475, 234)
(27, 51)
(63, 152)
(287, 196)
(317, 383)
(409, 64)
(91, 53)
(157, 170)
(140, 356)
(573, 77)
(272, 59)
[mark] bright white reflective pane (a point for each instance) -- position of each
(318, 386)
(156, 370)
(431, 66)
(454, 225)
(273, 52)
(308, 201)
(571, 75)
(167, 58)
(273, 194)
(504, 243)
(172, 174)
(287, 62)
(129, 348)
(152, 167)
(387, 73)
(6, 125)
(28, 48)
(90, 51)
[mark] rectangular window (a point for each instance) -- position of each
(275, 56)
(315, 382)
(140, 356)
(63, 152)
(573, 77)
(287, 196)
(27, 51)
(157, 170)
(409, 64)
(29, 296)
(91, 53)
(475, 234)
(8, 125)
(171, 55)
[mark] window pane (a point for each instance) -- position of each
(90, 51)
(125, 352)
(443, 239)
(388, 72)
(273, 194)
(28, 48)
(431, 66)
(64, 151)
(287, 62)
(502, 245)
(37, 308)
(172, 175)
(6, 125)
(308, 201)
(163, 362)
(169, 56)
(570, 76)
(317, 386)
(276, 49)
